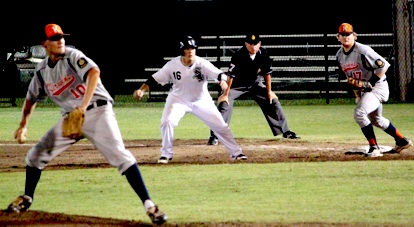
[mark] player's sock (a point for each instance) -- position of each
(369, 134)
(32, 178)
(137, 183)
(392, 131)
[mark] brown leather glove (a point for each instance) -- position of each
(72, 124)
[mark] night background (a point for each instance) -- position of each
(125, 30)
(124, 37)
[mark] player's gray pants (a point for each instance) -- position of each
(100, 127)
(273, 112)
(369, 108)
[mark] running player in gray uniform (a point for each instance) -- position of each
(71, 79)
(361, 62)
(189, 94)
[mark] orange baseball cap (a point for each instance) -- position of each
(54, 30)
(345, 28)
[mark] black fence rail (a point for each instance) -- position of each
(304, 65)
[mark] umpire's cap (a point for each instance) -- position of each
(54, 32)
(252, 38)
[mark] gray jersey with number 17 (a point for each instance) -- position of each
(361, 62)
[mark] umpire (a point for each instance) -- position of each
(249, 67)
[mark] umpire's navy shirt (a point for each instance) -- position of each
(244, 70)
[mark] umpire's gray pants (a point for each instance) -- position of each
(273, 112)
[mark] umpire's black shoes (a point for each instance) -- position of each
(20, 204)
(290, 135)
(157, 216)
(212, 141)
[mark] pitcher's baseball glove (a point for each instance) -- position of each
(72, 124)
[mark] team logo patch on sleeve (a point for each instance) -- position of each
(379, 63)
(82, 63)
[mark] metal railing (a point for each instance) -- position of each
(298, 59)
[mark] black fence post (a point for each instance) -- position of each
(326, 68)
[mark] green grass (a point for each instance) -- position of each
(370, 192)
(331, 192)
(315, 123)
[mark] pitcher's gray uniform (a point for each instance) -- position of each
(64, 85)
(72, 80)
(361, 62)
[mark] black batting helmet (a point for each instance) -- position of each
(186, 42)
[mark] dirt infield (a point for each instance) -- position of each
(84, 155)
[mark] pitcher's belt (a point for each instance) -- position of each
(98, 103)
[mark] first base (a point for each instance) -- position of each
(364, 149)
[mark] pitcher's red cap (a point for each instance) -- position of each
(345, 28)
(54, 30)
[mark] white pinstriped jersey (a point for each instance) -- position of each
(189, 82)
(64, 82)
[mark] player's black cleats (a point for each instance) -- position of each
(290, 135)
(401, 145)
(374, 151)
(20, 204)
(212, 141)
(157, 216)
(240, 157)
(164, 160)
